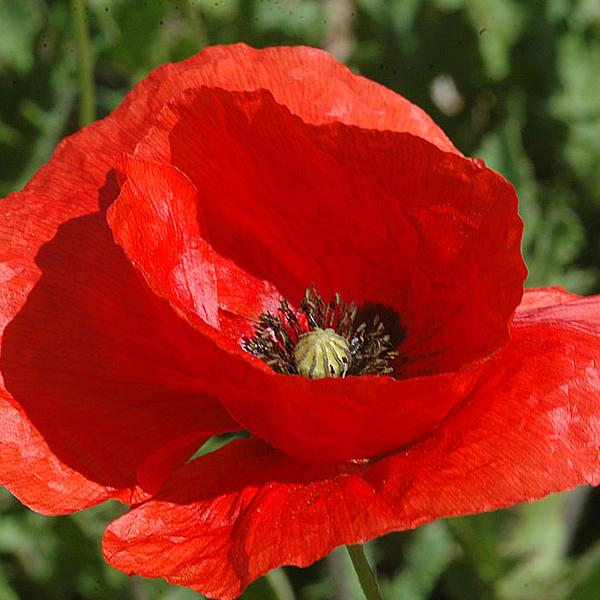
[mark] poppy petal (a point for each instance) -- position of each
(213, 165)
(329, 205)
(544, 296)
(77, 181)
(532, 427)
(155, 220)
(73, 185)
(40, 230)
(105, 372)
(312, 85)
(27, 463)
(330, 419)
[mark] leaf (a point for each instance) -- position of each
(20, 22)
(273, 586)
(498, 25)
(427, 556)
(538, 543)
(586, 578)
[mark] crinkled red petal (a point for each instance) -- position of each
(107, 375)
(155, 219)
(332, 419)
(312, 85)
(31, 470)
(544, 296)
(59, 205)
(379, 217)
(531, 427)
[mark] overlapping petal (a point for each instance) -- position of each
(40, 261)
(33, 472)
(388, 219)
(379, 217)
(312, 85)
(106, 373)
(105, 352)
(511, 441)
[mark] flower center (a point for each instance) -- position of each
(322, 353)
(321, 340)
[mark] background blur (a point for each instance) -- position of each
(516, 83)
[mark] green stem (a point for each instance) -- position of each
(366, 577)
(280, 585)
(87, 100)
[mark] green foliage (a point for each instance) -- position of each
(516, 83)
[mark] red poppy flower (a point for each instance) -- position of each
(153, 281)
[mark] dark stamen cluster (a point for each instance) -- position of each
(276, 335)
(371, 349)
(275, 338)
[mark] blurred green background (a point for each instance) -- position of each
(516, 83)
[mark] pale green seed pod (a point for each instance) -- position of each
(322, 353)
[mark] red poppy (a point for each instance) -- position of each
(159, 261)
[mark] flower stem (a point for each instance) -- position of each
(87, 101)
(365, 574)
(280, 585)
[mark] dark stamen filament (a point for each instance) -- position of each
(322, 340)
